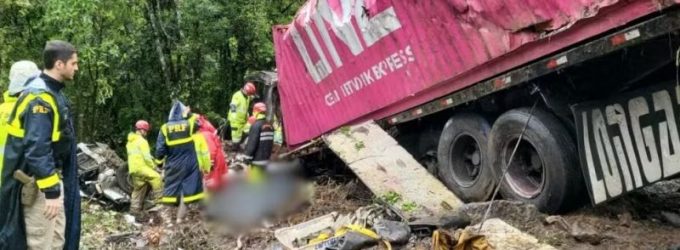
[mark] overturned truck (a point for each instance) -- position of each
(587, 90)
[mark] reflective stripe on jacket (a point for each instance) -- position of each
(238, 110)
(38, 139)
(138, 153)
(260, 141)
(6, 107)
(186, 154)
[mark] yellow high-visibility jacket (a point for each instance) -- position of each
(138, 153)
(6, 107)
(238, 112)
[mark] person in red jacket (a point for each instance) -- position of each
(217, 176)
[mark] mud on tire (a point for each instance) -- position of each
(463, 164)
(544, 170)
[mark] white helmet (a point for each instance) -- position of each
(19, 73)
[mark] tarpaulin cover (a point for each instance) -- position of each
(342, 61)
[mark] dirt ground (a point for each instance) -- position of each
(640, 220)
(635, 221)
(98, 224)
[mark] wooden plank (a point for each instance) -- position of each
(388, 169)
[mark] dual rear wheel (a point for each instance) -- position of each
(544, 171)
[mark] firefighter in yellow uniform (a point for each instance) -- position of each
(19, 73)
(141, 168)
(238, 112)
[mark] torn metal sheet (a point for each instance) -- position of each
(390, 171)
(289, 235)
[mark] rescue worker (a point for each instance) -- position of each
(215, 179)
(19, 73)
(238, 112)
(41, 143)
(278, 135)
(260, 142)
(278, 131)
(186, 155)
(141, 168)
(246, 128)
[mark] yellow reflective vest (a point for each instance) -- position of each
(138, 153)
(184, 132)
(238, 111)
(6, 107)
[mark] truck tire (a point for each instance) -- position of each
(427, 150)
(462, 157)
(544, 170)
(123, 179)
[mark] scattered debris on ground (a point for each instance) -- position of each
(100, 226)
(644, 219)
(103, 176)
(613, 225)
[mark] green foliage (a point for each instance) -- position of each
(390, 197)
(409, 206)
(345, 130)
(359, 145)
(137, 56)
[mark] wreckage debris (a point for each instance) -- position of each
(103, 176)
(365, 227)
(393, 231)
(381, 220)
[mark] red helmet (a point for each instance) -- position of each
(142, 125)
(259, 107)
(249, 88)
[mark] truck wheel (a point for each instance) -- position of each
(544, 170)
(462, 156)
(123, 179)
(427, 150)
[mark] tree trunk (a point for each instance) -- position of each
(178, 18)
(159, 46)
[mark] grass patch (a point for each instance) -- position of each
(359, 145)
(97, 223)
(409, 206)
(346, 131)
(390, 197)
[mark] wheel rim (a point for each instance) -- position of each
(466, 160)
(526, 173)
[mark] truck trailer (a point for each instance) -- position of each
(585, 94)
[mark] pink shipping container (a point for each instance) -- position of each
(344, 61)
